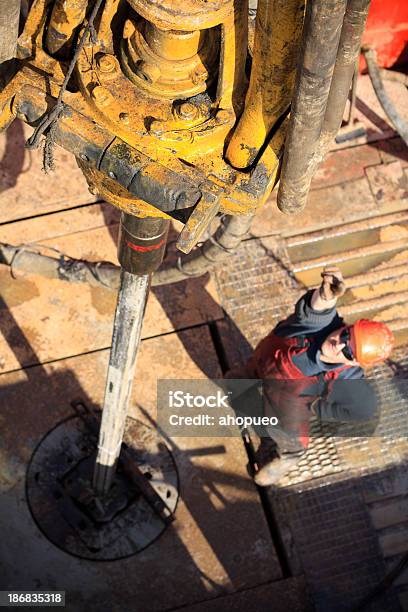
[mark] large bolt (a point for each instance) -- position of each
(101, 95)
(156, 127)
(107, 63)
(124, 117)
(187, 110)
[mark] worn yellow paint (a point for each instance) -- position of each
(113, 193)
(277, 40)
(66, 16)
(141, 89)
(6, 114)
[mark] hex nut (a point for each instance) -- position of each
(107, 63)
(187, 110)
(101, 95)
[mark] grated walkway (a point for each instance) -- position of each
(329, 522)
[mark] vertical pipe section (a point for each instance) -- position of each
(232, 81)
(320, 41)
(347, 56)
(9, 19)
(142, 243)
(277, 39)
(141, 248)
(127, 328)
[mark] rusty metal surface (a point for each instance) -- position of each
(168, 74)
(345, 186)
(66, 16)
(192, 14)
(339, 231)
(389, 182)
(169, 144)
(394, 149)
(219, 543)
(62, 502)
(182, 121)
(393, 246)
(327, 207)
(78, 319)
(346, 165)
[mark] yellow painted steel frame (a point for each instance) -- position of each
(65, 17)
(169, 83)
(276, 47)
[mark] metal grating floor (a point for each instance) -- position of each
(321, 507)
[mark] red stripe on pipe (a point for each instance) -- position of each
(146, 249)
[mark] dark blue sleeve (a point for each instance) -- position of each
(306, 321)
(350, 400)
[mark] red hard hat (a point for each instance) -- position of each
(374, 341)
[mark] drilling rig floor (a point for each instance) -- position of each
(328, 534)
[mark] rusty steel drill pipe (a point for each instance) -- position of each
(9, 18)
(66, 16)
(347, 55)
(320, 42)
(277, 40)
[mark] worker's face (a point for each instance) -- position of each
(333, 345)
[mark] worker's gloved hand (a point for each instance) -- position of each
(333, 285)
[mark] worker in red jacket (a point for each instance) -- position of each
(312, 364)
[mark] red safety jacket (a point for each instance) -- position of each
(272, 360)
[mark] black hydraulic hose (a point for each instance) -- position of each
(320, 41)
(347, 55)
(24, 259)
(9, 19)
(373, 70)
(211, 253)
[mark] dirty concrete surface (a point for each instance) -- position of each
(325, 537)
